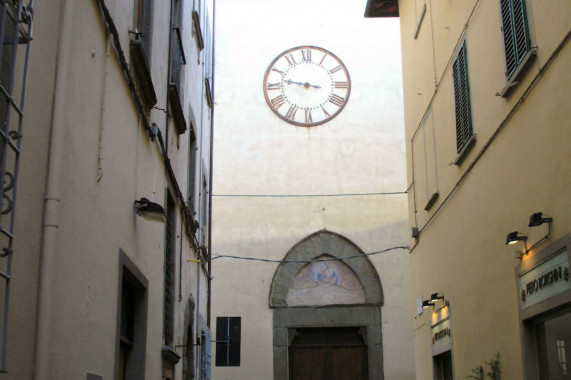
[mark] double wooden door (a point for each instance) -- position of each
(328, 354)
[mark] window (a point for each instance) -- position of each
(204, 212)
(132, 321)
(553, 337)
(228, 341)
(142, 25)
(169, 288)
(517, 43)
(464, 130)
(177, 60)
(192, 167)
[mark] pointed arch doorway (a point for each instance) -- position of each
(326, 313)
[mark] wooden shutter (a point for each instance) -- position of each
(517, 42)
(462, 99)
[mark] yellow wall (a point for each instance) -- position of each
(519, 165)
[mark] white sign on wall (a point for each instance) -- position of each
(545, 280)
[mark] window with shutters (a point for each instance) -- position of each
(517, 42)
(464, 130)
(228, 341)
(169, 266)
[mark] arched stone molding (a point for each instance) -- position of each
(367, 315)
(320, 243)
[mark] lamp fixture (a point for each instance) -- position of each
(537, 219)
(426, 304)
(434, 297)
(150, 210)
(514, 237)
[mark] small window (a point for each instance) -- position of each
(228, 330)
(517, 42)
(169, 268)
(464, 130)
(143, 20)
(192, 166)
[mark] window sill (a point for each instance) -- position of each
(431, 201)
(512, 81)
(464, 151)
(417, 30)
(170, 355)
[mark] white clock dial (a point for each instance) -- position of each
(307, 86)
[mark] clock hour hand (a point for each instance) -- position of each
(306, 84)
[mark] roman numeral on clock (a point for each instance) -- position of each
(290, 59)
(306, 55)
(278, 71)
(337, 100)
(335, 69)
(291, 112)
(341, 84)
(325, 112)
(278, 101)
(308, 118)
(273, 86)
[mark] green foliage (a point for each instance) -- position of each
(477, 373)
(494, 373)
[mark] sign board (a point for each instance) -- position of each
(545, 280)
(441, 337)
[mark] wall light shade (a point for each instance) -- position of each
(537, 219)
(150, 210)
(426, 303)
(514, 237)
(435, 297)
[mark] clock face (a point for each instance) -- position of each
(307, 86)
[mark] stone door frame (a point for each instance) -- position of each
(287, 319)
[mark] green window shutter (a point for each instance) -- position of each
(462, 99)
(517, 42)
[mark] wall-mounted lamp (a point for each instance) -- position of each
(426, 304)
(150, 210)
(537, 219)
(514, 237)
(434, 297)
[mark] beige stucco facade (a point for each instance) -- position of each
(518, 165)
(273, 184)
(89, 150)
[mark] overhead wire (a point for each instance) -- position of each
(306, 195)
(308, 261)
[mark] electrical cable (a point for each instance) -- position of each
(305, 195)
(307, 261)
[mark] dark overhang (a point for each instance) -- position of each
(382, 8)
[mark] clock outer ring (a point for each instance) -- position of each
(301, 124)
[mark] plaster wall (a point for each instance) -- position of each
(256, 153)
(80, 116)
(517, 166)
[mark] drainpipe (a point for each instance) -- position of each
(51, 201)
(209, 273)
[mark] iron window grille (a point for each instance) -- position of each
(16, 35)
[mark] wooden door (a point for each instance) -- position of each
(328, 354)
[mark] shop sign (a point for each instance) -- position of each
(547, 279)
(441, 335)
